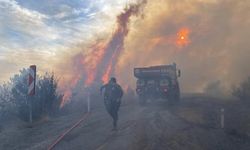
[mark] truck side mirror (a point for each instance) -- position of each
(179, 73)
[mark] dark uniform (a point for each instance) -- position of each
(112, 99)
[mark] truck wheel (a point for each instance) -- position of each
(175, 96)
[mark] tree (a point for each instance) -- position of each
(44, 102)
(19, 93)
(242, 91)
(47, 94)
(6, 104)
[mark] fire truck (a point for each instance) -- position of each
(158, 82)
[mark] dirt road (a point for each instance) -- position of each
(191, 125)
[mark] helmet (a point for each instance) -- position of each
(112, 79)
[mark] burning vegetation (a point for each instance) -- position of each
(99, 64)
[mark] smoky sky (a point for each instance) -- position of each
(218, 49)
(98, 64)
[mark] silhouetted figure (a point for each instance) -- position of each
(112, 99)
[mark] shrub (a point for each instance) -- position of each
(6, 105)
(44, 102)
(242, 91)
(47, 94)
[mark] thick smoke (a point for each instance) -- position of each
(218, 47)
(116, 44)
(208, 40)
(95, 66)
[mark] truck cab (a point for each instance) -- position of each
(156, 82)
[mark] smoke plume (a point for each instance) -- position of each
(96, 66)
(208, 40)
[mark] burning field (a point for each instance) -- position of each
(207, 40)
(98, 65)
(78, 46)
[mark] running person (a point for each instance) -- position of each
(112, 99)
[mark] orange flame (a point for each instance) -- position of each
(68, 90)
(99, 56)
(126, 87)
(183, 37)
(91, 62)
(106, 76)
(66, 97)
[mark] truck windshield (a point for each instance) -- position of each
(140, 82)
(164, 82)
(151, 82)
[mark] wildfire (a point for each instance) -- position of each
(99, 63)
(183, 37)
(66, 97)
(91, 62)
(126, 88)
(68, 91)
(105, 77)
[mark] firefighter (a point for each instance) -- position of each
(112, 99)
